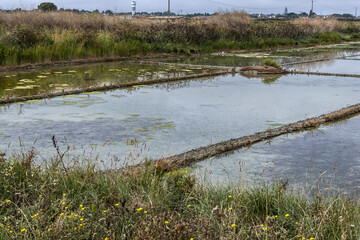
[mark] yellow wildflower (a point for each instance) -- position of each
(8, 201)
(233, 225)
(23, 230)
(61, 214)
(286, 215)
(139, 209)
(230, 208)
(166, 222)
(145, 211)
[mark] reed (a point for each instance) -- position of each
(32, 36)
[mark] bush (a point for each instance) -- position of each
(47, 6)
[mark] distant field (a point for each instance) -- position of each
(33, 37)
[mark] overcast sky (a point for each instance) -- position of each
(191, 6)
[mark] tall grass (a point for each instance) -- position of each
(50, 202)
(31, 36)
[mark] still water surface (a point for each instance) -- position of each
(328, 157)
(171, 118)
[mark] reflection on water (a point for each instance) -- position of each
(172, 118)
(62, 79)
(328, 157)
(344, 66)
(282, 57)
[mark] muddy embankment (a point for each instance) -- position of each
(327, 74)
(9, 100)
(199, 154)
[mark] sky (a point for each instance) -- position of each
(322, 7)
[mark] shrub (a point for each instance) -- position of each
(47, 6)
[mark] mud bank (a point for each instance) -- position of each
(82, 61)
(199, 154)
(326, 74)
(108, 87)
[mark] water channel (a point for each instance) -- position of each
(126, 125)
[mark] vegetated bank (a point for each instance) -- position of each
(34, 36)
(50, 202)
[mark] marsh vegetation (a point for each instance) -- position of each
(31, 37)
(80, 202)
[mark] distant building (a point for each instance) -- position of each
(133, 8)
(286, 11)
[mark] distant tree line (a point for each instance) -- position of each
(49, 6)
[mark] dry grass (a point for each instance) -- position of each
(33, 36)
(60, 20)
(319, 25)
(230, 20)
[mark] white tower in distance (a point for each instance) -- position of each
(133, 8)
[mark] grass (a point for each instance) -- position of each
(32, 37)
(270, 62)
(80, 202)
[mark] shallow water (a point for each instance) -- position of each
(171, 118)
(282, 57)
(345, 66)
(67, 78)
(328, 157)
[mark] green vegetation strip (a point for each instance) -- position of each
(45, 202)
(199, 154)
(108, 87)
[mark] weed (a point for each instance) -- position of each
(270, 62)
(150, 202)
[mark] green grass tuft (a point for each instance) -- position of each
(84, 203)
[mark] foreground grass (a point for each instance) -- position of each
(81, 203)
(31, 36)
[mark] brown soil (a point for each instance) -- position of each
(262, 70)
